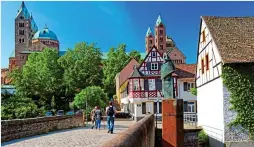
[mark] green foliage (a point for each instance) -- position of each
(17, 107)
(194, 91)
(41, 76)
(203, 137)
(239, 80)
(114, 97)
(94, 95)
(117, 60)
(136, 55)
(81, 67)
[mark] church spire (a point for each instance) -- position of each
(23, 10)
(159, 21)
(149, 32)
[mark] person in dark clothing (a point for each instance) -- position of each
(98, 116)
(110, 111)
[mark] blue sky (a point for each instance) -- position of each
(111, 23)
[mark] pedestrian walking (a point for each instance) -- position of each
(110, 111)
(98, 117)
(92, 115)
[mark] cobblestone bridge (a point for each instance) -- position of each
(77, 137)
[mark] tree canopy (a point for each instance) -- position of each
(94, 95)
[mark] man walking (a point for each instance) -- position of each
(110, 111)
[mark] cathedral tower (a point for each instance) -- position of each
(149, 40)
(160, 35)
(25, 27)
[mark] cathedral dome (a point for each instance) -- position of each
(45, 34)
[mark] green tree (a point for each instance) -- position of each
(40, 77)
(94, 95)
(136, 55)
(194, 91)
(117, 60)
(81, 68)
(17, 107)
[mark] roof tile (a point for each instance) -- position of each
(234, 37)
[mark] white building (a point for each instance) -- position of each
(144, 91)
(222, 40)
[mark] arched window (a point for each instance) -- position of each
(19, 40)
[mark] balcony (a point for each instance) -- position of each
(145, 94)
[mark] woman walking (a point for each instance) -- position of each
(98, 116)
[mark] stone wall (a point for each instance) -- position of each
(140, 134)
(19, 128)
(235, 133)
(191, 137)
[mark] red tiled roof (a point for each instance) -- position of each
(185, 71)
(126, 71)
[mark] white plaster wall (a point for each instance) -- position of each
(185, 95)
(210, 109)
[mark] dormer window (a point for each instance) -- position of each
(153, 54)
(154, 66)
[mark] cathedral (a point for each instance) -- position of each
(163, 42)
(28, 39)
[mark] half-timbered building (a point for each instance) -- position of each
(222, 40)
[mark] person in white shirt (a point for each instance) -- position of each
(110, 111)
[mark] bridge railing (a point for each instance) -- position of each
(190, 118)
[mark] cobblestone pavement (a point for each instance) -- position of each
(78, 137)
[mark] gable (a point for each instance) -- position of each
(152, 63)
(208, 58)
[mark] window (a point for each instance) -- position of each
(19, 40)
(135, 84)
(151, 41)
(161, 47)
(185, 86)
(21, 32)
(191, 107)
(21, 17)
(161, 39)
(143, 108)
(203, 36)
(202, 65)
(153, 54)
(161, 32)
(155, 107)
(207, 62)
(21, 25)
(154, 66)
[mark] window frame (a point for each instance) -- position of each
(154, 66)
(202, 66)
(143, 105)
(153, 54)
(207, 61)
